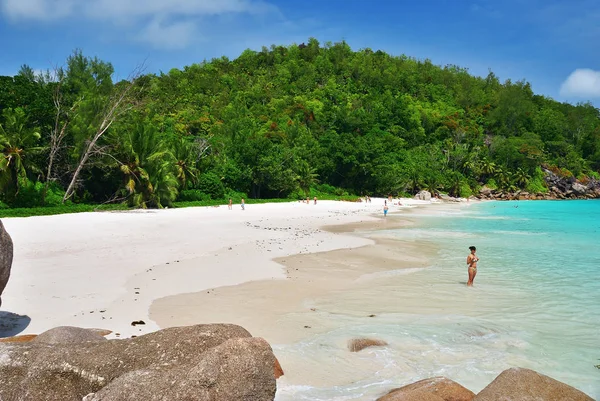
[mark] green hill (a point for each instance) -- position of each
(279, 123)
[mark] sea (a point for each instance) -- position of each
(535, 304)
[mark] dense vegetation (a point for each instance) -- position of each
(280, 123)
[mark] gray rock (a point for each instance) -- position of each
(39, 371)
(423, 195)
(68, 335)
(528, 385)
(6, 257)
(579, 188)
(237, 369)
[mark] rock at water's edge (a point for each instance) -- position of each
(358, 344)
(38, 371)
(237, 369)
(526, 384)
(6, 257)
(440, 388)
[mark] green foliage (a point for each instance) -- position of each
(537, 184)
(31, 194)
(491, 184)
(285, 122)
(193, 195)
(210, 184)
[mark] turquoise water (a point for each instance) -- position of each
(535, 304)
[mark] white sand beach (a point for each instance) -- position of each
(104, 270)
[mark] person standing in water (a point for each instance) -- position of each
(472, 260)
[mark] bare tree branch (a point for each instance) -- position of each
(115, 107)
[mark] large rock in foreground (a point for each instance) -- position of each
(6, 257)
(206, 362)
(434, 389)
(68, 335)
(527, 385)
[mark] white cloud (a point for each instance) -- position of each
(37, 9)
(166, 24)
(582, 83)
(170, 36)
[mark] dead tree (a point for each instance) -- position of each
(59, 130)
(116, 106)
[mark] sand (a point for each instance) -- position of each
(105, 270)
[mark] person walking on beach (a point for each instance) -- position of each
(230, 205)
(472, 260)
(243, 204)
(385, 208)
(315, 200)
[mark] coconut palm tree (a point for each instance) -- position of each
(521, 177)
(488, 168)
(149, 167)
(186, 154)
(17, 143)
(306, 176)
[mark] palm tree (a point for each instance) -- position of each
(150, 168)
(17, 143)
(306, 176)
(488, 168)
(186, 157)
(521, 177)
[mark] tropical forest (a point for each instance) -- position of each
(282, 123)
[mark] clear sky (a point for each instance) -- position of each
(554, 44)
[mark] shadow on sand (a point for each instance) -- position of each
(12, 324)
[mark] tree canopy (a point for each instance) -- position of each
(281, 122)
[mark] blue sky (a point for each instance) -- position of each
(553, 44)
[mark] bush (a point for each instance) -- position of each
(491, 184)
(537, 184)
(235, 196)
(465, 190)
(32, 195)
(210, 184)
(193, 195)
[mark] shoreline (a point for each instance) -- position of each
(104, 270)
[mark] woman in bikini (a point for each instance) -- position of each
(472, 260)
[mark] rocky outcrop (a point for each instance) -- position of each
(204, 362)
(68, 335)
(6, 257)
(525, 384)
(438, 387)
(564, 187)
(559, 187)
(358, 344)
(423, 195)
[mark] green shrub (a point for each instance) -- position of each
(465, 190)
(235, 196)
(491, 184)
(32, 194)
(193, 195)
(210, 184)
(537, 184)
